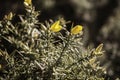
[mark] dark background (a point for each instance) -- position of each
(100, 18)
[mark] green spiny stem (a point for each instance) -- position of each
(64, 48)
(50, 69)
(82, 59)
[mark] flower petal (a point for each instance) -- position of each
(77, 29)
(55, 27)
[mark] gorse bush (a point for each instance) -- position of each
(39, 51)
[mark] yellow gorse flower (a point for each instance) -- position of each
(28, 2)
(55, 27)
(77, 29)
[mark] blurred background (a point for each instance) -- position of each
(100, 18)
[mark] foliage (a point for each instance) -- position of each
(37, 53)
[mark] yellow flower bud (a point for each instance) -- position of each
(55, 27)
(98, 50)
(77, 29)
(9, 16)
(27, 2)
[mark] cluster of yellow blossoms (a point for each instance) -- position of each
(55, 27)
